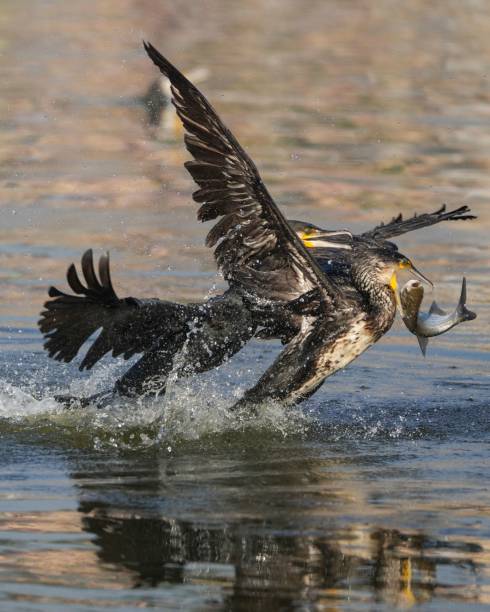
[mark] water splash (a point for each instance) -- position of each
(16, 404)
(195, 410)
(192, 410)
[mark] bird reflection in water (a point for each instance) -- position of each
(289, 543)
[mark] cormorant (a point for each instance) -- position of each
(211, 332)
(327, 309)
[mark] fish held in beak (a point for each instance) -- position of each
(436, 321)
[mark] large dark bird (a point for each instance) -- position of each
(327, 309)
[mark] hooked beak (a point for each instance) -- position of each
(338, 239)
(419, 275)
(333, 233)
(406, 264)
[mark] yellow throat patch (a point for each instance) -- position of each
(393, 282)
(394, 287)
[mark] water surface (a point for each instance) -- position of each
(375, 494)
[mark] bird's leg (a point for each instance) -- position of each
(148, 376)
(297, 373)
(71, 402)
(154, 367)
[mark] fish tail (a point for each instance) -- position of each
(463, 313)
(423, 342)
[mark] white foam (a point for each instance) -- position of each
(18, 404)
(191, 410)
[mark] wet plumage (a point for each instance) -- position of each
(327, 308)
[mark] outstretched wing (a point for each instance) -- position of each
(128, 326)
(256, 249)
(398, 225)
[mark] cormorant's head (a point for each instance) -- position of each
(385, 261)
(376, 262)
(314, 236)
(404, 263)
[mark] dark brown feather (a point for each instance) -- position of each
(398, 225)
(251, 227)
(128, 326)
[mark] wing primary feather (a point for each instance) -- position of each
(89, 272)
(127, 326)
(231, 188)
(74, 281)
(398, 225)
(105, 275)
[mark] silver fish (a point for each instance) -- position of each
(435, 322)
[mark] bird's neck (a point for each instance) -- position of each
(380, 299)
(383, 307)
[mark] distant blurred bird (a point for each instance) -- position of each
(157, 100)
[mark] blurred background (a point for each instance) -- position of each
(354, 111)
